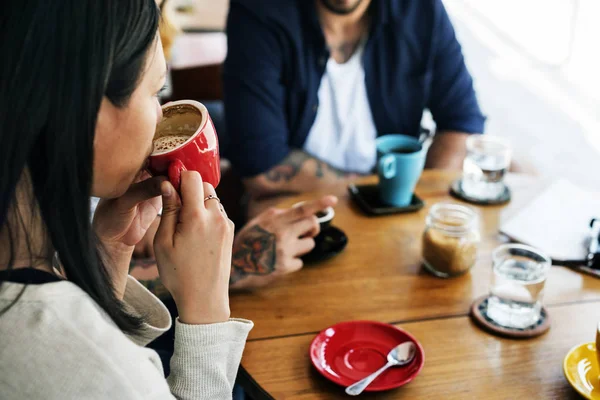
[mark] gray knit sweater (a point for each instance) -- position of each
(57, 343)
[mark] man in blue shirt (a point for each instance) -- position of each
(309, 85)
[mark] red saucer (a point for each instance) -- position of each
(349, 351)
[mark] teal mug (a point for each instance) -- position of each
(400, 162)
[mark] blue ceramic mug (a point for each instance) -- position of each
(400, 162)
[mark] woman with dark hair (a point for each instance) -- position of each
(78, 109)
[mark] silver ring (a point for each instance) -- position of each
(211, 197)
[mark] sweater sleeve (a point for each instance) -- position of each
(206, 357)
(57, 334)
(140, 301)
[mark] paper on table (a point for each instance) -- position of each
(557, 221)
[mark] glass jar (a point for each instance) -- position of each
(450, 240)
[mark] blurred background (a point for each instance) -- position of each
(535, 63)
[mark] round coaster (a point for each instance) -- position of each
(479, 315)
(456, 191)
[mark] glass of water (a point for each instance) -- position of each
(486, 163)
(518, 284)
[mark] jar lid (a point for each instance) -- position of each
(453, 218)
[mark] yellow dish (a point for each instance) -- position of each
(582, 371)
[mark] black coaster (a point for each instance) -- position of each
(456, 191)
(367, 198)
(329, 243)
(479, 316)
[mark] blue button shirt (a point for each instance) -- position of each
(277, 55)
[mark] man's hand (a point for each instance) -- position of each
(270, 246)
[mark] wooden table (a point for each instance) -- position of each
(379, 277)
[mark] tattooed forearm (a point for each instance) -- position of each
(337, 172)
(289, 167)
(320, 173)
(254, 255)
(293, 165)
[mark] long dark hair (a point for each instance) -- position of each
(59, 59)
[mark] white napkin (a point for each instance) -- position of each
(557, 221)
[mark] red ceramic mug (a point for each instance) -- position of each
(185, 139)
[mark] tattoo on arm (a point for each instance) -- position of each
(254, 256)
(320, 172)
(291, 166)
(337, 172)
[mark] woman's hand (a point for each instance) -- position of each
(193, 250)
(122, 222)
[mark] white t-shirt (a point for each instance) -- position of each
(343, 134)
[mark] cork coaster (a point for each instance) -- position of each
(456, 191)
(479, 316)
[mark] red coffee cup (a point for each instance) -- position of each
(199, 152)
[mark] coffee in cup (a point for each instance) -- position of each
(185, 139)
(407, 149)
(168, 143)
(178, 124)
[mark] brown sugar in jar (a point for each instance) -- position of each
(450, 240)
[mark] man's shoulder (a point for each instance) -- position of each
(278, 10)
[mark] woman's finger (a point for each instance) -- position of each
(192, 191)
(211, 201)
(170, 215)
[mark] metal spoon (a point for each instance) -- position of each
(400, 355)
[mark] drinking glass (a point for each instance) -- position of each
(486, 163)
(518, 280)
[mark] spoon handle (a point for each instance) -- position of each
(358, 387)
